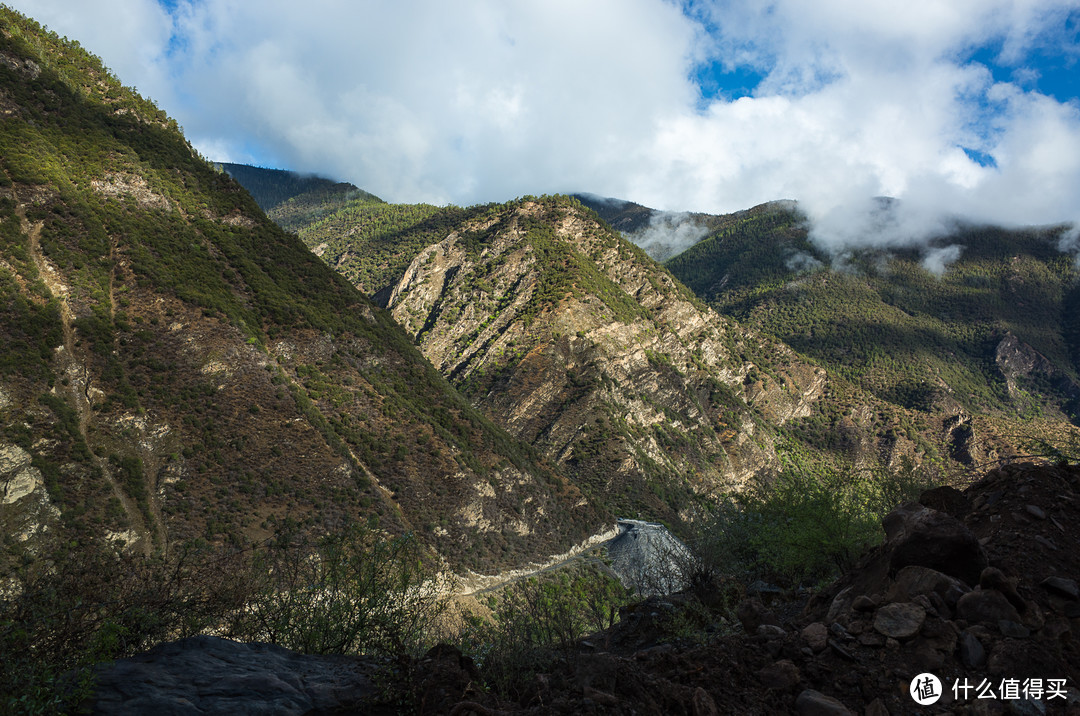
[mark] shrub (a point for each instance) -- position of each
(1060, 449)
(352, 592)
(538, 620)
(62, 614)
(801, 528)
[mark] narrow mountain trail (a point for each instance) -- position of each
(473, 583)
(78, 374)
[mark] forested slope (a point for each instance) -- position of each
(176, 367)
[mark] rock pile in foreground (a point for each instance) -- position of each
(978, 588)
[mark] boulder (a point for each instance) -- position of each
(863, 603)
(781, 676)
(946, 499)
(971, 651)
(205, 674)
(816, 636)
(913, 580)
(994, 578)
(900, 620)
(918, 535)
(1061, 586)
(752, 613)
(985, 606)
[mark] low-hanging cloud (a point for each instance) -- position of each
(937, 259)
(485, 100)
(669, 233)
(1070, 242)
(801, 262)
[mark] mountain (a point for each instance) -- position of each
(974, 336)
(572, 339)
(176, 367)
(966, 376)
(575, 341)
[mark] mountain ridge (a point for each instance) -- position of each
(178, 368)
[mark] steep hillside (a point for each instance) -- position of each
(175, 366)
(575, 341)
(986, 342)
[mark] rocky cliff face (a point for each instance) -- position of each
(576, 342)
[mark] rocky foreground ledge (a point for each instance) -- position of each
(978, 588)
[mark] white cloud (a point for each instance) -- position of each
(668, 233)
(484, 100)
(128, 34)
(937, 260)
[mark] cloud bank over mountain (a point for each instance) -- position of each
(954, 108)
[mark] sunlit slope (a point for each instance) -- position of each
(175, 366)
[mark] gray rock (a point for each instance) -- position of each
(837, 629)
(1048, 543)
(994, 578)
(987, 606)
(841, 650)
(1010, 628)
(1061, 586)
(770, 631)
(953, 594)
(840, 604)
(972, 653)
(816, 636)
(781, 676)
(863, 603)
(1035, 511)
(752, 614)
(206, 675)
(703, 703)
(900, 620)
(939, 635)
(913, 580)
(815, 703)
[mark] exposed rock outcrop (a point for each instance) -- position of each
(576, 342)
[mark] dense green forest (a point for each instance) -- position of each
(883, 320)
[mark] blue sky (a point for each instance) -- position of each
(958, 107)
(1049, 66)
